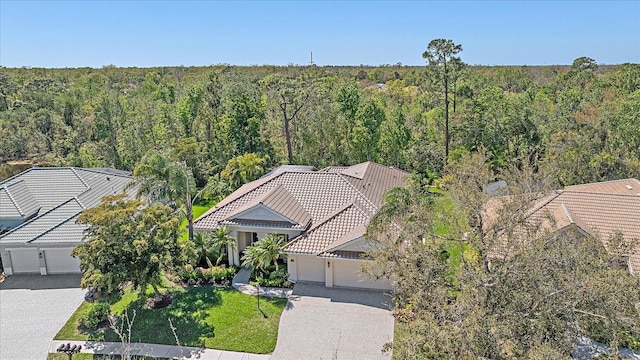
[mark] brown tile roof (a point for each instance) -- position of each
(329, 203)
(338, 254)
(600, 209)
(281, 201)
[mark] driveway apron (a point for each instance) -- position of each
(33, 308)
(334, 323)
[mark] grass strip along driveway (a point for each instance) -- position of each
(205, 316)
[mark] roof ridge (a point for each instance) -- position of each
(216, 208)
(366, 200)
(15, 203)
(543, 204)
(35, 218)
(100, 171)
(56, 226)
(80, 177)
(332, 215)
(567, 212)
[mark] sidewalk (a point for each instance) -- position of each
(241, 283)
(158, 351)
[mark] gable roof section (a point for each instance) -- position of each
(600, 209)
(40, 225)
(329, 231)
(17, 201)
(280, 201)
(61, 194)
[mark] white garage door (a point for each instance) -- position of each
(60, 261)
(310, 268)
(348, 273)
(25, 261)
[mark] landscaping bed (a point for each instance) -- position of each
(203, 316)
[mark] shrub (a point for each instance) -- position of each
(97, 315)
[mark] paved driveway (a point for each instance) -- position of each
(32, 310)
(329, 323)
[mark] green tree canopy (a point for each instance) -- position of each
(127, 242)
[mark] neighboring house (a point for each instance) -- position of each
(323, 214)
(38, 211)
(604, 209)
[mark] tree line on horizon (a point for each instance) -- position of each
(578, 123)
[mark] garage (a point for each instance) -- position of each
(348, 273)
(60, 261)
(25, 261)
(306, 268)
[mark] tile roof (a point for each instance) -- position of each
(279, 200)
(60, 195)
(17, 201)
(332, 203)
(328, 231)
(601, 209)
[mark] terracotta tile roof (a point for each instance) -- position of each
(328, 231)
(622, 187)
(281, 201)
(600, 209)
(331, 203)
(344, 255)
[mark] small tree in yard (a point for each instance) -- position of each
(126, 242)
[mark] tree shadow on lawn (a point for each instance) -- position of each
(187, 312)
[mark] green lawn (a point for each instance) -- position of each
(205, 316)
(198, 209)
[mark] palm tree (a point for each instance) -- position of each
(266, 251)
(158, 178)
(252, 258)
(204, 244)
(220, 240)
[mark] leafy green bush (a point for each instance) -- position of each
(271, 277)
(215, 275)
(97, 315)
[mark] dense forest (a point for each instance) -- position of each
(578, 123)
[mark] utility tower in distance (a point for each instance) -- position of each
(311, 63)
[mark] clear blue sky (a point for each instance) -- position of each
(153, 33)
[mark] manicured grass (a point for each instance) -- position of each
(205, 316)
(70, 330)
(198, 209)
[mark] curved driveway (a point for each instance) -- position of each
(332, 323)
(33, 308)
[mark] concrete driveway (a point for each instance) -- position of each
(329, 323)
(32, 310)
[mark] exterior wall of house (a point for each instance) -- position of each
(244, 239)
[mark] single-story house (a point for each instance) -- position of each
(38, 212)
(323, 214)
(604, 209)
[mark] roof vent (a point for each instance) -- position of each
(629, 187)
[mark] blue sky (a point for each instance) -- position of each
(156, 33)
